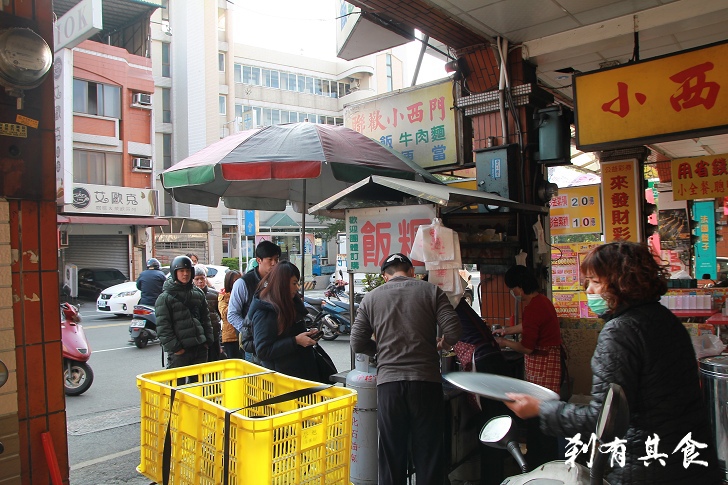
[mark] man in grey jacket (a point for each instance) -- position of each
(404, 315)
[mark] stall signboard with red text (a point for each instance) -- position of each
(700, 177)
(419, 123)
(621, 191)
(375, 233)
(576, 210)
(661, 99)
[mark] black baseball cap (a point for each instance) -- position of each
(395, 258)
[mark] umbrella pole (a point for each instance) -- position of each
(302, 244)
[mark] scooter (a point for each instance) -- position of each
(612, 422)
(143, 327)
(313, 306)
(77, 374)
(334, 318)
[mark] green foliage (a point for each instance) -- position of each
(232, 263)
(335, 226)
(372, 280)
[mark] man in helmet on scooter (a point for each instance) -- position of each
(150, 282)
(183, 319)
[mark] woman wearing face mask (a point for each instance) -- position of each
(541, 345)
(645, 349)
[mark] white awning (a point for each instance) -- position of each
(377, 191)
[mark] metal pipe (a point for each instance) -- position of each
(423, 48)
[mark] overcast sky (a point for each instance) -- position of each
(308, 27)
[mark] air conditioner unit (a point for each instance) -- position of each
(166, 28)
(141, 164)
(142, 99)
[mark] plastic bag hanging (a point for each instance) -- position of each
(433, 242)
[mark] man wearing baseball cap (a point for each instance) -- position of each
(404, 315)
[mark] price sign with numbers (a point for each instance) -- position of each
(576, 210)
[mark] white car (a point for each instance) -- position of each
(119, 299)
(215, 275)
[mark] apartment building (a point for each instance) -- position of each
(107, 200)
(208, 86)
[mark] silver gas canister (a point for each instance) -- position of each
(363, 379)
(714, 381)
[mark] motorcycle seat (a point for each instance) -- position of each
(343, 304)
(313, 301)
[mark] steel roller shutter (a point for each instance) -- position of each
(98, 252)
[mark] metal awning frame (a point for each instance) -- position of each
(378, 191)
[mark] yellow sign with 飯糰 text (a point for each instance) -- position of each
(653, 100)
(622, 201)
(699, 177)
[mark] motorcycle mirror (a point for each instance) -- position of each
(495, 432)
(498, 433)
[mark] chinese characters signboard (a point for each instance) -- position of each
(705, 251)
(652, 100)
(576, 210)
(699, 177)
(419, 123)
(112, 200)
(374, 234)
(622, 201)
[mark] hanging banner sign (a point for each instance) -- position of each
(705, 251)
(576, 210)
(373, 234)
(661, 99)
(699, 177)
(622, 201)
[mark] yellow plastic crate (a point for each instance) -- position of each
(301, 441)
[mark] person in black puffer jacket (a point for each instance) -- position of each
(281, 340)
(645, 349)
(214, 351)
(183, 320)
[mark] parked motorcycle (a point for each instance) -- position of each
(334, 318)
(612, 423)
(143, 327)
(313, 306)
(77, 374)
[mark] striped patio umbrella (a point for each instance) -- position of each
(303, 163)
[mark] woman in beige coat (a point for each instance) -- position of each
(229, 334)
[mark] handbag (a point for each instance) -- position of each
(325, 366)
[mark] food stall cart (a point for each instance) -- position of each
(388, 212)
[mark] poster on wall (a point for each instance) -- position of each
(674, 229)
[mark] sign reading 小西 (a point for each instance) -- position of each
(622, 201)
(418, 123)
(699, 177)
(654, 100)
(576, 210)
(373, 234)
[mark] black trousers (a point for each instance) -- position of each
(193, 355)
(410, 412)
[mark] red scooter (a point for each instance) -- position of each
(77, 375)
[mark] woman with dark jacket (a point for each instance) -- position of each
(281, 339)
(645, 349)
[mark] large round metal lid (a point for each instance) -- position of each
(716, 363)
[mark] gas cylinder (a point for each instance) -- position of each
(363, 379)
